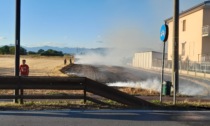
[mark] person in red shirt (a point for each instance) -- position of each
(24, 68)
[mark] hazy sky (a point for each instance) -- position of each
(88, 23)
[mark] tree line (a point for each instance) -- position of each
(11, 50)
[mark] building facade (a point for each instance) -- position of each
(194, 34)
(146, 60)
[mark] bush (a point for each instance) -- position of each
(32, 53)
(11, 50)
(51, 52)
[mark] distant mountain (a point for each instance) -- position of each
(73, 50)
(79, 50)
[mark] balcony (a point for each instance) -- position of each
(205, 31)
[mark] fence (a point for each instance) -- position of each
(197, 68)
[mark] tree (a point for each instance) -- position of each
(23, 51)
(40, 51)
(11, 50)
(32, 53)
(51, 52)
(5, 50)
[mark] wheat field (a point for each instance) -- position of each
(38, 65)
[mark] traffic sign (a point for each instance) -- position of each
(164, 33)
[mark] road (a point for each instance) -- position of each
(145, 78)
(105, 118)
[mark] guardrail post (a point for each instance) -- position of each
(17, 91)
(20, 90)
(16, 95)
(85, 96)
(21, 95)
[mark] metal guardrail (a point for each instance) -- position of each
(66, 83)
(43, 83)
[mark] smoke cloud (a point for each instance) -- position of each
(122, 41)
(154, 84)
(150, 84)
(98, 59)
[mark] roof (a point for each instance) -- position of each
(149, 52)
(192, 10)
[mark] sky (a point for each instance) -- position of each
(88, 23)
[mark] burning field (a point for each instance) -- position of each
(112, 75)
(119, 76)
(103, 73)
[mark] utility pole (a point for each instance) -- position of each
(17, 43)
(175, 51)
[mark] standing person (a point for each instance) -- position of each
(65, 61)
(24, 68)
(70, 62)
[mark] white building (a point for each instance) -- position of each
(146, 59)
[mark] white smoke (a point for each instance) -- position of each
(149, 84)
(98, 59)
(122, 41)
(154, 84)
(193, 90)
(126, 84)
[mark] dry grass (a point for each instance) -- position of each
(45, 105)
(131, 91)
(39, 65)
(139, 91)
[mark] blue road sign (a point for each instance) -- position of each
(164, 33)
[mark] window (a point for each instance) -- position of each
(184, 25)
(183, 48)
(205, 30)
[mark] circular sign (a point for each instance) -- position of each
(164, 33)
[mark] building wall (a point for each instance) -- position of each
(145, 59)
(170, 40)
(206, 39)
(192, 36)
(142, 60)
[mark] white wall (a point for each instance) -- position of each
(144, 59)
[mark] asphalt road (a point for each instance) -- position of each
(105, 118)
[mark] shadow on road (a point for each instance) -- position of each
(117, 115)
